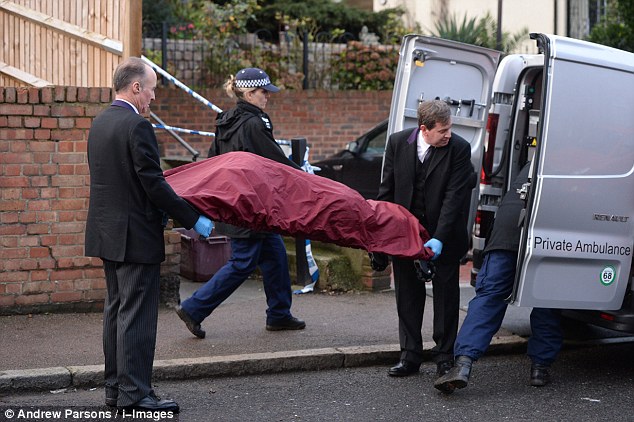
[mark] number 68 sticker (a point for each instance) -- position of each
(608, 275)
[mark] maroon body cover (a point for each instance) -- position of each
(250, 191)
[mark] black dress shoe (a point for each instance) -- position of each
(539, 375)
(457, 377)
(291, 323)
(443, 367)
(152, 402)
(192, 325)
(403, 369)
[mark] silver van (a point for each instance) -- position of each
(569, 111)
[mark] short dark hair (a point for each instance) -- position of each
(432, 112)
(130, 70)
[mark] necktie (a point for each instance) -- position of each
(428, 154)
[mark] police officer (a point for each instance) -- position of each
(246, 127)
(486, 310)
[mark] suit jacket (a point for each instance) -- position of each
(128, 193)
(447, 190)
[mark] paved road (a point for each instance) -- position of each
(591, 383)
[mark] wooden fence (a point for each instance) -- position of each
(66, 42)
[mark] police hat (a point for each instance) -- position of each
(252, 77)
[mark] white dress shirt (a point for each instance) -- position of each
(422, 147)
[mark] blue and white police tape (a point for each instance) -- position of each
(180, 129)
(306, 166)
(312, 270)
(181, 85)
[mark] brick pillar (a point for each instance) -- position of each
(375, 280)
(170, 268)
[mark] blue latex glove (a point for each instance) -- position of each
(204, 226)
(436, 247)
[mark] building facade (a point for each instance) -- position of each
(571, 18)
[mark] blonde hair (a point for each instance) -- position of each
(233, 91)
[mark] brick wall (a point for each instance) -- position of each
(44, 197)
(327, 119)
(44, 201)
(45, 184)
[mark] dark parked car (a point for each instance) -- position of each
(359, 165)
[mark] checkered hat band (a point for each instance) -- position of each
(252, 83)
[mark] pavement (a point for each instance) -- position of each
(49, 352)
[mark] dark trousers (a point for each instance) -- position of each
(486, 311)
(268, 253)
(410, 305)
(129, 329)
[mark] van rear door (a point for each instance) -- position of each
(460, 74)
(577, 238)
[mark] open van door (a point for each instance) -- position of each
(460, 74)
(578, 229)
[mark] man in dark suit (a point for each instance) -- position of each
(128, 201)
(428, 170)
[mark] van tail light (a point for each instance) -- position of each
(483, 223)
(489, 148)
(607, 317)
(477, 223)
